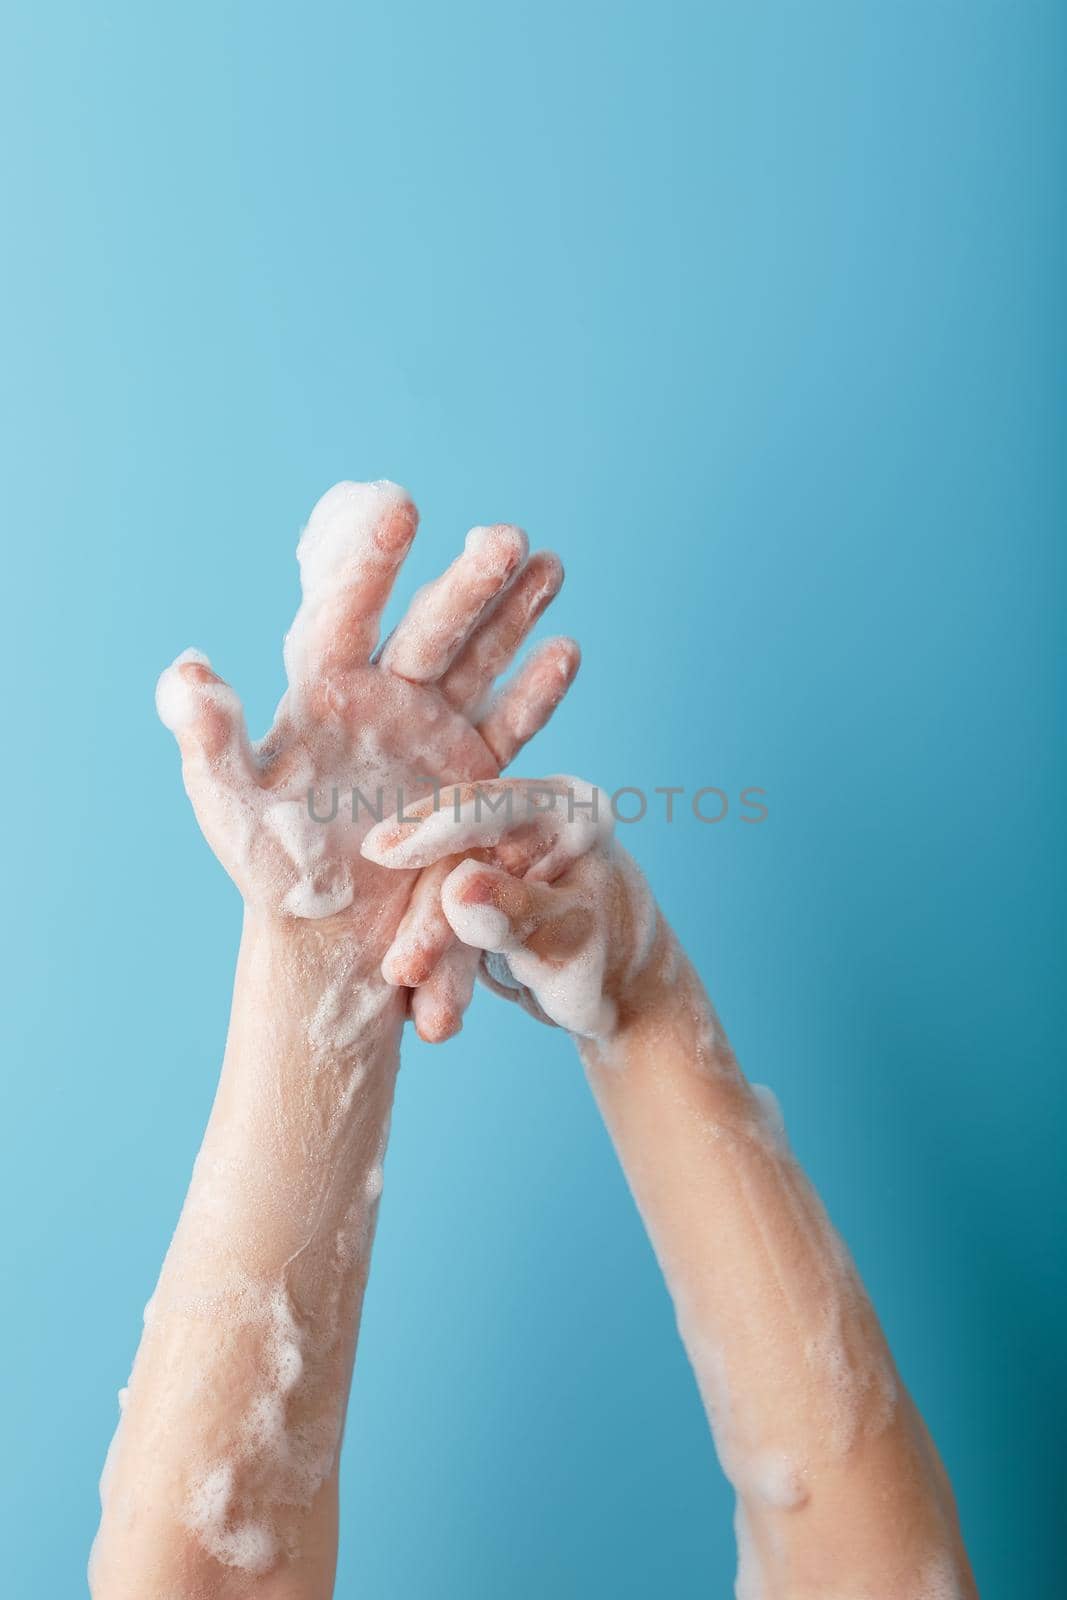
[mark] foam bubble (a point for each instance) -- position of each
(177, 700)
(340, 532)
(485, 927)
(777, 1481)
(337, 549)
(771, 1114)
(249, 1546)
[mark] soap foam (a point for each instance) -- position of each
(339, 550)
(232, 1502)
(777, 1481)
(563, 827)
(248, 1546)
(177, 700)
(569, 992)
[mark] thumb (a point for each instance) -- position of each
(490, 910)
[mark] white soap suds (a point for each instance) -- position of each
(569, 992)
(777, 1481)
(750, 1583)
(581, 821)
(232, 1501)
(561, 829)
(248, 1546)
(322, 884)
(340, 532)
(477, 923)
(177, 701)
(478, 541)
(286, 817)
(481, 816)
(337, 551)
(771, 1117)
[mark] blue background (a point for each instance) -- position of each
(753, 312)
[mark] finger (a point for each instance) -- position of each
(443, 614)
(420, 827)
(523, 706)
(492, 646)
(354, 543)
(537, 828)
(424, 935)
(437, 1007)
(205, 716)
(492, 911)
(458, 819)
(544, 939)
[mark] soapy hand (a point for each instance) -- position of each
(528, 874)
(357, 729)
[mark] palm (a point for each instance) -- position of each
(356, 733)
(322, 783)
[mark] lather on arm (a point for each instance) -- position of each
(840, 1492)
(222, 1478)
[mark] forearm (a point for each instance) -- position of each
(837, 1480)
(222, 1476)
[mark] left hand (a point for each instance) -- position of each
(354, 718)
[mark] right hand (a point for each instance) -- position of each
(527, 873)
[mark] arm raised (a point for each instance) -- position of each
(840, 1492)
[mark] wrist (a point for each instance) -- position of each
(663, 1001)
(308, 1076)
(298, 1128)
(318, 984)
(648, 989)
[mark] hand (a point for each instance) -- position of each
(529, 875)
(361, 724)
